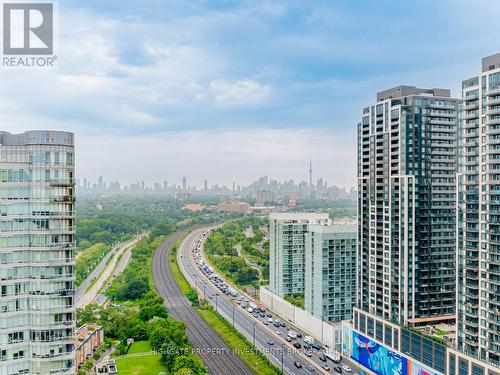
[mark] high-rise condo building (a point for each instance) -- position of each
(37, 260)
(478, 291)
(330, 271)
(287, 250)
(407, 164)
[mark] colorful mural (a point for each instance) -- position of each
(376, 357)
(346, 339)
(416, 369)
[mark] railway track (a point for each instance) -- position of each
(213, 351)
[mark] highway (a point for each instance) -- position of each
(250, 325)
(207, 344)
(101, 297)
(104, 270)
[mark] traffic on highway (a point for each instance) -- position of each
(291, 350)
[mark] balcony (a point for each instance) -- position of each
(62, 183)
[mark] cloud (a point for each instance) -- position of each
(270, 82)
(242, 92)
(221, 156)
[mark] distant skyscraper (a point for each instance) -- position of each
(205, 185)
(407, 162)
(479, 216)
(100, 184)
(311, 185)
(37, 253)
(184, 183)
(287, 250)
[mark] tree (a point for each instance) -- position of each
(188, 364)
(150, 311)
(134, 289)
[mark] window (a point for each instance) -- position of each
(463, 367)
(452, 365)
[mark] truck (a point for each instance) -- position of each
(334, 355)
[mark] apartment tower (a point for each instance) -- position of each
(330, 271)
(287, 236)
(478, 245)
(37, 263)
(407, 164)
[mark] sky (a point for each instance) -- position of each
(233, 90)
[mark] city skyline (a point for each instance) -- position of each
(235, 89)
(263, 183)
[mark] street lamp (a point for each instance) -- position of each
(233, 315)
(282, 350)
(254, 324)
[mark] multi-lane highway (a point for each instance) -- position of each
(268, 338)
(104, 270)
(208, 345)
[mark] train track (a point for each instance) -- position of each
(208, 345)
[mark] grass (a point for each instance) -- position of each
(140, 347)
(147, 365)
(252, 357)
(87, 259)
(176, 271)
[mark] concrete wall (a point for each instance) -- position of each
(324, 332)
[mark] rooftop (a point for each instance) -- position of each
(402, 91)
(37, 137)
(491, 62)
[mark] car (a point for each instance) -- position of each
(307, 346)
(299, 335)
(322, 358)
(326, 368)
(262, 315)
(238, 302)
(316, 347)
(265, 323)
(311, 368)
(269, 315)
(282, 324)
(308, 353)
(346, 368)
(270, 320)
(276, 324)
(289, 339)
(278, 333)
(270, 342)
(297, 345)
(297, 364)
(338, 369)
(210, 296)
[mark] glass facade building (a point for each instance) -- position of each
(37, 245)
(287, 250)
(407, 164)
(478, 246)
(330, 271)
